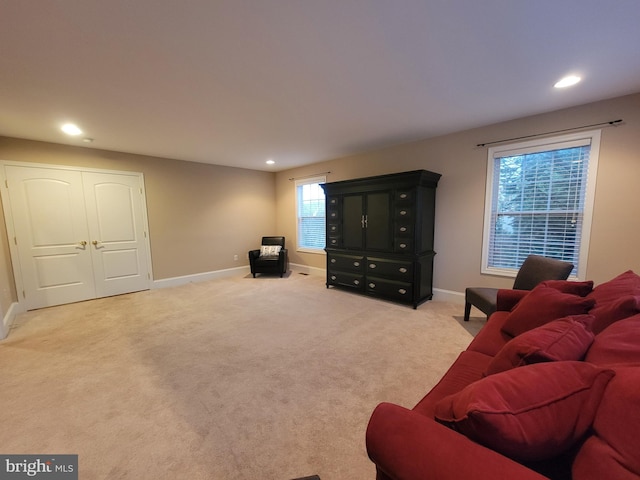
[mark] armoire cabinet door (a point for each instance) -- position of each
(378, 221)
(352, 221)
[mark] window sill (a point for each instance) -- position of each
(317, 251)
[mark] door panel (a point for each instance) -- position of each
(352, 223)
(118, 242)
(50, 225)
(378, 231)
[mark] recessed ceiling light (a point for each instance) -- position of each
(87, 140)
(270, 162)
(71, 129)
(567, 81)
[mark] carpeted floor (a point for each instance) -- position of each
(228, 379)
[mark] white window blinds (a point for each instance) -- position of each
(537, 202)
(310, 207)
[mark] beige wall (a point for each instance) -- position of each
(461, 191)
(200, 215)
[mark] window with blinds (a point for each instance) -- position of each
(310, 212)
(539, 201)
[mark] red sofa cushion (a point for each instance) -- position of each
(530, 413)
(618, 344)
(627, 283)
(582, 289)
(542, 305)
(611, 312)
(612, 452)
(567, 338)
(468, 367)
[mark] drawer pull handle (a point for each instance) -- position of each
(333, 260)
(333, 277)
(356, 282)
(356, 264)
(372, 285)
(333, 228)
(334, 214)
(402, 270)
(333, 201)
(403, 229)
(403, 195)
(403, 212)
(333, 241)
(402, 291)
(403, 245)
(372, 265)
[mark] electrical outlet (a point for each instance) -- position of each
(235, 257)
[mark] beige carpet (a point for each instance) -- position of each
(240, 378)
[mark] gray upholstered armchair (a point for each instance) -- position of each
(272, 257)
(535, 269)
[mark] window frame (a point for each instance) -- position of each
(298, 183)
(533, 146)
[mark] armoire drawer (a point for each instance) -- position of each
(401, 291)
(349, 263)
(383, 267)
(345, 279)
(401, 244)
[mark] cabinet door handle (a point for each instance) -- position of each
(403, 196)
(333, 260)
(372, 265)
(402, 291)
(372, 285)
(356, 264)
(333, 277)
(356, 282)
(403, 245)
(402, 270)
(403, 229)
(403, 212)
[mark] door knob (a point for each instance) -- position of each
(83, 243)
(95, 243)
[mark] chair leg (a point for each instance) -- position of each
(467, 311)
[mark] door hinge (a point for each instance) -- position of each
(15, 240)
(6, 183)
(24, 295)
(145, 234)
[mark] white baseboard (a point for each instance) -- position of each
(308, 270)
(200, 277)
(8, 319)
(442, 295)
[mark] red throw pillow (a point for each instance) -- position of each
(582, 289)
(611, 312)
(531, 413)
(618, 344)
(567, 338)
(612, 451)
(542, 305)
(627, 283)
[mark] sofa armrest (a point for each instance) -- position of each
(406, 445)
(507, 299)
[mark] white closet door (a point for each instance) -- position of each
(116, 224)
(49, 217)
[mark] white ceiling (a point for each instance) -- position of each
(235, 82)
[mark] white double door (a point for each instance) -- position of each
(78, 235)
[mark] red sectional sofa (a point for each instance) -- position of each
(549, 388)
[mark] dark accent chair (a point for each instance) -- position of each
(534, 270)
(278, 263)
